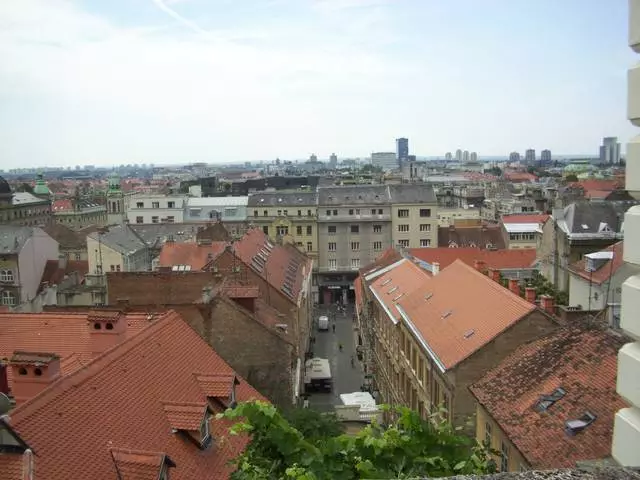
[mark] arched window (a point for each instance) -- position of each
(8, 298)
(6, 275)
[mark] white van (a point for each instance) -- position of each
(317, 375)
(323, 323)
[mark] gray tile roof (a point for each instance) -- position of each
(414, 193)
(155, 233)
(588, 218)
(13, 237)
(273, 199)
(25, 198)
(354, 195)
(122, 239)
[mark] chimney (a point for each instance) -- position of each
(107, 328)
(32, 372)
(206, 295)
(514, 286)
(62, 262)
(435, 268)
(479, 265)
(530, 294)
(494, 274)
(546, 303)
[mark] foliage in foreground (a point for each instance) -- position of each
(409, 447)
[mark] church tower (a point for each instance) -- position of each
(115, 201)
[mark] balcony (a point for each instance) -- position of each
(345, 218)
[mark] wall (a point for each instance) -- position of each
(31, 262)
(498, 441)
(415, 222)
(140, 209)
(448, 216)
(157, 288)
(10, 262)
(98, 254)
(77, 220)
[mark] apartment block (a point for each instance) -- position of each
(414, 217)
(157, 209)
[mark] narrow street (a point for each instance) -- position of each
(346, 378)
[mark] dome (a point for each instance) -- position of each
(5, 189)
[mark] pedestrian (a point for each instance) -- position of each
(353, 362)
(333, 327)
(340, 346)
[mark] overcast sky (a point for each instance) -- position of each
(168, 81)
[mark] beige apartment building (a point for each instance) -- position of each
(414, 217)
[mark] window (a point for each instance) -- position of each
(139, 220)
(205, 432)
(504, 460)
(139, 204)
(298, 230)
(379, 211)
(335, 212)
(357, 211)
(377, 246)
(425, 212)
(355, 263)
(265, 213)
(113, 268)
(308, 213)
(425, 227)
(255, 213)
(299, 213)
(331, 229)
(171, 204)
(333, 264)
(425, 242)
(8, 298)
(77, 257)
(373, 211)
(377, 229)
(403, 243)
(155, 219)
(328, 213)
(282, 230)
(487, 434)
(403, 213)
(403, 228)
(155, 204)
(279, 213)
(309, 247)
(355, 246)
(355, 228)
(286, 213)
(351, 211)
(265, 230)
(332, 246)
(309, 230)
(171, 219)
(6, 275)
(117, 268)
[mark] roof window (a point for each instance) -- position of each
(391, 290)
(428, 296)
(386, 282)
(398, 297)
(447, 314)
(573, 427)
(469, 333)
(546, 401)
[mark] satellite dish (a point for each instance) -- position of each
(5, 404)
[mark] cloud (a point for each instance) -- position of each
(162, 5)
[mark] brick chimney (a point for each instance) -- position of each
(546, 303)
(32, 372)
(479, 265)
(494, 274)
(514, 286)
(435, 268)
(107, 328)
(530, 294)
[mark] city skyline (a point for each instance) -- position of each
(180, 81)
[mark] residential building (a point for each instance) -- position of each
(384, 160)
(414, 216)
(514, 157)
(157, 406)
(448, 156)
(484, 236)
(402, 150)
(78, 214)
(117, 249)
(63, 285)
(545, 157)
(116, 204)
(230, 210)
(522, 231)
(436, 333)
(610, 151)
(72, 244)
(157, 209)
(626, 434)
(23, 208)
(551, 403)
(574, 231)
(458, 155)
(465, 156)
(473, 157)
(530, 156)
(457, 216)
(333, 161)
(24, 252)
(287, 216)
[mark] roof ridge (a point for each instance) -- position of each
(107, 357)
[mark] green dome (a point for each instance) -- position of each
(41, 186)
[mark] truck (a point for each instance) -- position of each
(317, 375)
(323, 323)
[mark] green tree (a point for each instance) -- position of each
(408, 447)
(314, 426)
(572, 177)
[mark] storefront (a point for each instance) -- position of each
(336, 288)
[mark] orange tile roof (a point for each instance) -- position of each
(282, 261)
(460, 310)
(138, 465)
(514, 259)
(193, 254)
(66, 334)
(524, 218)
(118, 401)
(606, 270)
(185, 415)
(386, 258)
(581, 361)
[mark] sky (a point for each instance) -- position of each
(177, 81)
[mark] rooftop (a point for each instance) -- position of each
(14, 237)
(120, 238)
(599, 270)
(67, 238)
(524, 218)
(543, 385)
(192, 256)
(91, 416)
(274, 199)
(485, 236)
(25, 198)
(199, 202)
(515, 259)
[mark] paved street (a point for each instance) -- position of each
(346, 378)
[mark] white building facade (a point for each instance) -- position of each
(384, 160)
(156, 209)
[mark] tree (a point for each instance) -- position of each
(314, 426)
(572, 177)
(409, 447)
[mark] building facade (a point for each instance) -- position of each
(414, 216)
(117, 249)
(23, 208)
(77, 214)
(384, 160)
(402, 150)
(610, 151)
(157, 209)
(116, 205)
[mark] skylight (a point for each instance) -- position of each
(428, 296)
(469, 333)
(386, 282)
(546, 401)
(573, 427)
(447, 313)
(392, 290)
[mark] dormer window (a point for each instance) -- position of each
(191, 420)
(546, 401)
(205, 431)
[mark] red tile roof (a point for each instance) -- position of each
(524, 218)
(279, 265)
(520, 177)
(65, 334)
(62, 205)
(606, 269)
(138, 465)
(186, 415)
(581, 361)
(386, 258)
(53, 274)
(193, 254)
(497, 259)
(118, 402)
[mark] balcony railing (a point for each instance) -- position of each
(354, 218)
